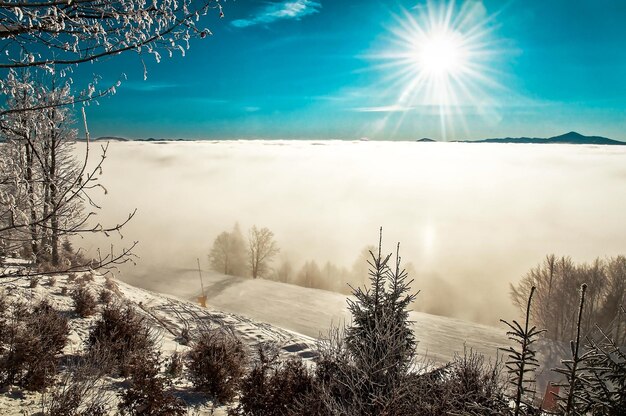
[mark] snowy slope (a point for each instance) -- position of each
(167, 314)
(312, 311)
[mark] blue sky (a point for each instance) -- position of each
(318, 69)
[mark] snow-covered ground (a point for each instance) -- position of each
(257, 311)
(167, 314)
(311, 312)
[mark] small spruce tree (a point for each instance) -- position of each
(380, 341)
(521, 363)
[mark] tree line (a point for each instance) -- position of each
(255, 256)
(557, 281)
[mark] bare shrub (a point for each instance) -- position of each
(105, 296)
(477, 384)
(81, 390)
(110, 284)
(32, 341)
(468, 385)
(216, 363)
(52, 280)
(273, 388)
(122, 333)
(147, 393)
(185, 336)
(175, 365)
(64, 291)
(85, 278)
(84, 302)
(34, 282)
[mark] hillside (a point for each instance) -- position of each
(257, 311)
(167, 315)
(312, 311)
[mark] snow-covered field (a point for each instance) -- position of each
(311, 312)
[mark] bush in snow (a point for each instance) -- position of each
(30, 342)
(216, 363)
(80, 390)
(84, 302)
(105, 296)
(146, 394)
(122, 334)
(273, 388)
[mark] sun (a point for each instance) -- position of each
(438, 61)
(441, 53)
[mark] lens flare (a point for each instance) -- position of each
(439, 57)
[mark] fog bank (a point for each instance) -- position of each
(471, 218)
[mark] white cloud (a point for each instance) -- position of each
(395, 108)
(290, 9)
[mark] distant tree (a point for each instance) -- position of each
(556, 281)
(228, 253)
(333, 277)
(261, 249)
(615, 300)
(359, 267)
(310, 275)
(284, 272)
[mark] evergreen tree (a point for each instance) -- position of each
(380, 340)
(522, 363)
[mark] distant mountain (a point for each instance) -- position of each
(425, 140)
(568, 138)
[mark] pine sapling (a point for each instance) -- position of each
(575, 403)
(522, 363)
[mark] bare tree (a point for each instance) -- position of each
(44, 189)
(55, 36)
(557, 280)
(40, 145)
(310, 275)
(228, 253)
(261, 249)
(284, 272)
(66, 32)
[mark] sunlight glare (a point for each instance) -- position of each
(438, 62)
(441, 53)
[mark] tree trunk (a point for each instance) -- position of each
(30, 184)
(54, 219)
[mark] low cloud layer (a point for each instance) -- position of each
(471, 218)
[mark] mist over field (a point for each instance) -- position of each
(471, 218)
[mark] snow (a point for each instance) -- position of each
(258, 310)
(169, 315)
(311, 312)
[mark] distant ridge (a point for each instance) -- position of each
(568, 138)
(111, 139)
